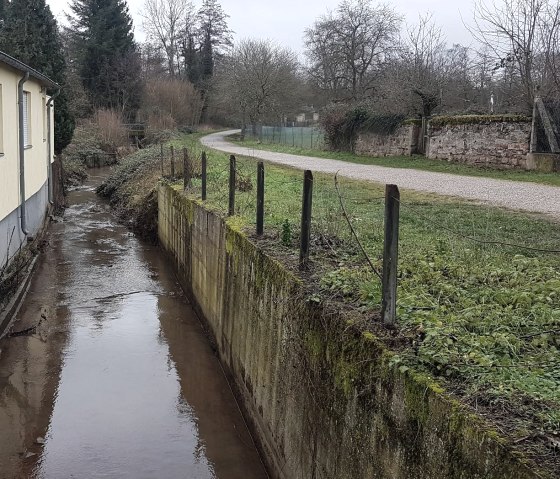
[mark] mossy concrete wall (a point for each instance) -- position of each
(322, 396)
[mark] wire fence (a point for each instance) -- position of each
(472, 288)
(357, 229)
(311, 137)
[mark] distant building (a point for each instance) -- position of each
(26, 153)
(307, 116)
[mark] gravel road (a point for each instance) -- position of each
(516, 195)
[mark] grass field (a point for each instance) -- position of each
(415, 162)
(484, 319)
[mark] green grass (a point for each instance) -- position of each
(484, 319)
(415, 162)
(478, 310)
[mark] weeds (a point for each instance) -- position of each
(286, 236)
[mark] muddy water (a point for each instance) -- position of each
(118, 381)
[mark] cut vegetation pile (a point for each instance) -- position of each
(478, 290)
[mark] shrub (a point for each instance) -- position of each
(110, 128)
(168, 103)
(342, 127)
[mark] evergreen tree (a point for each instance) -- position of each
(214, 35)
(29, 33)
(108, 57)
(192, 60)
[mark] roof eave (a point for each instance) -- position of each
(22, 67)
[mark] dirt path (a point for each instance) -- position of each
(516, 195)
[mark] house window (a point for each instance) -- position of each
(26, 119)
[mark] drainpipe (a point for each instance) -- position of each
(49, 147)
(23, 218)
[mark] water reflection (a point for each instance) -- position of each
(120, 381)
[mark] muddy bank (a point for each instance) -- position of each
(117, 379)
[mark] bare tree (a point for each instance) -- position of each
(423, 57)
(164, 22)
(347, 49)
(259, 81)
(522, 35)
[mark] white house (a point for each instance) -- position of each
(26, 153)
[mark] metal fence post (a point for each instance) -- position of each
(231, 208)
(203, 167)
(260, 198)
(172, 161)
(186, 170)
(307, 202)
(390, 255)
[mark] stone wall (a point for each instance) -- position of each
(321, 395)
(402, 142)
(494, 144)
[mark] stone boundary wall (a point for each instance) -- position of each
(501, 145)
(320, 394)
(402, 142)
(492, 142)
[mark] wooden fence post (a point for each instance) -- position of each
(186, 170)
(260, 198)
(307, 202)
(390, 255)
(203, 167)
(172, 161)
(162, 167)
(231, 207)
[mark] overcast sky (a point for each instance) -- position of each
(285, 21)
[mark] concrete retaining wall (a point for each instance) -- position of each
(402, 142)
(320, 393)
(500, 145)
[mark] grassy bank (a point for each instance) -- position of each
(132, 190)
(478, 303)
(410, 162)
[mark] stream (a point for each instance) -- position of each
(118, 380)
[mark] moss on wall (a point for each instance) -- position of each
(323, 394)
(438, 121)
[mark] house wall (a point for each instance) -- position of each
(36, 171)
